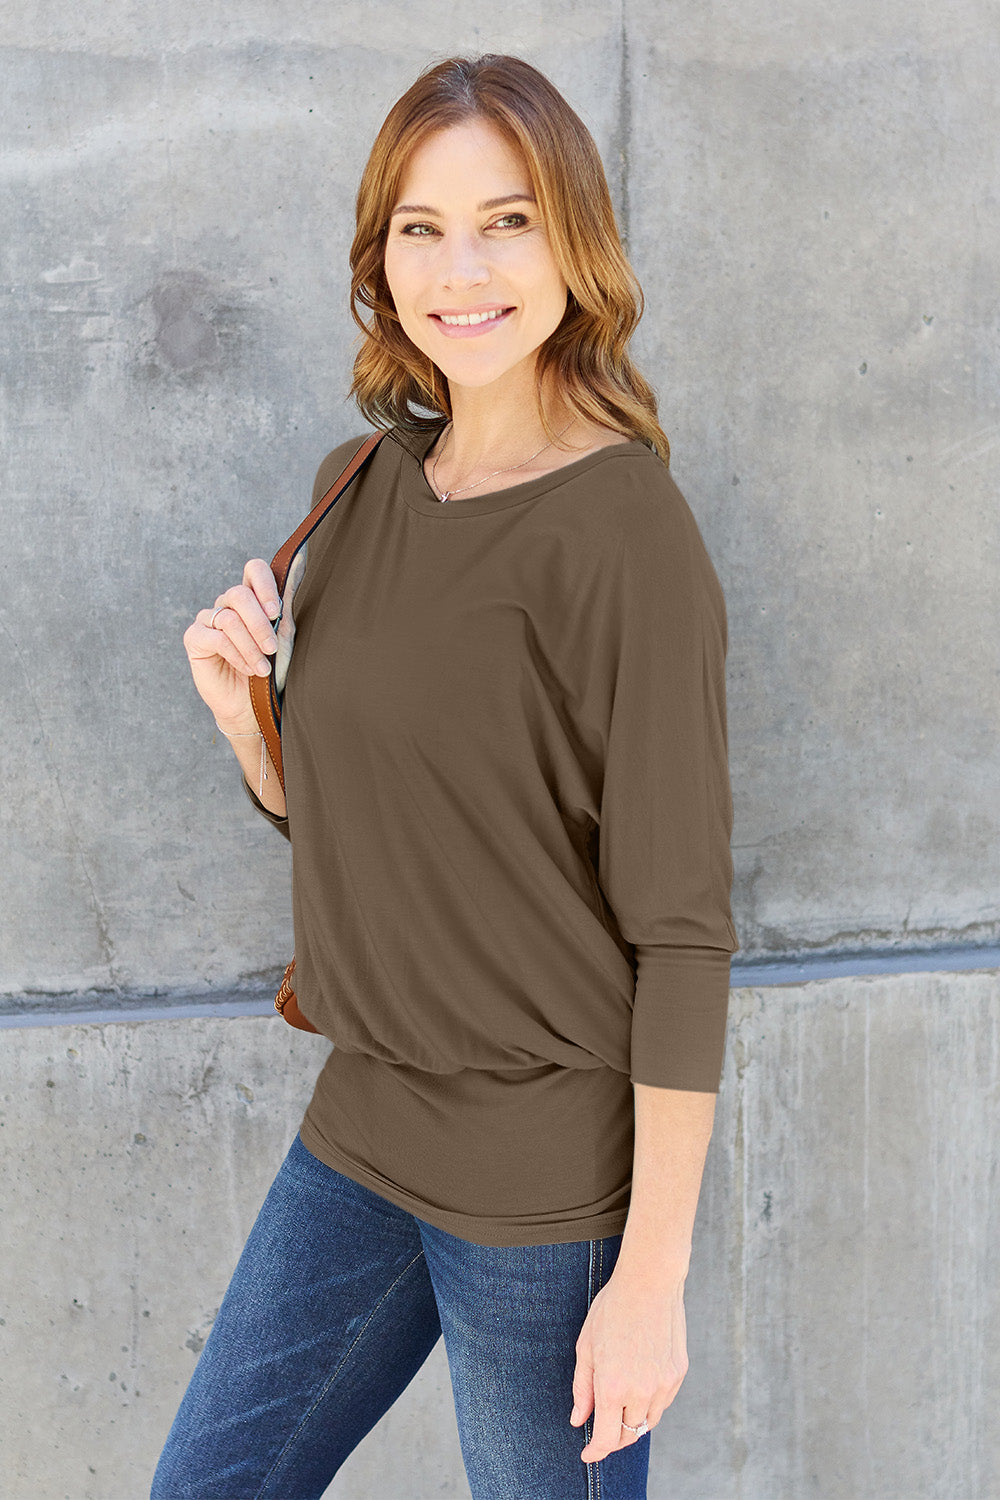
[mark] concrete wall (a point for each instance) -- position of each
(810, 199)
(843, 1305)
(809, 194)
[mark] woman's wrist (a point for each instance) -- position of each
(250, 748)
(250, 734)
(242, 725)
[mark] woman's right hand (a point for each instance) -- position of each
(225, 656)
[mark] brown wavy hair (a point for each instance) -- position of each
(395, 383)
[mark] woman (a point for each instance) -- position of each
(504, 744)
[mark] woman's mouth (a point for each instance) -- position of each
(470, 324)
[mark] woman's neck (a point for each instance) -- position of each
(490, 428)
(497, 439)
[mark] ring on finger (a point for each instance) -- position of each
(639, 1431)
(211, 623)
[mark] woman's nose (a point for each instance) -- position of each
(464, 262)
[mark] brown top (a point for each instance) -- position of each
(504, 736)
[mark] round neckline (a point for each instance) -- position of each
(420, 497)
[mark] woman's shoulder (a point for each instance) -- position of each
(628, 506)
(334, 463)
(629, 482)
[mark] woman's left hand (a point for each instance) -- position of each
(631, 1357)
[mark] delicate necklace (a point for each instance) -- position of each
(509, 470)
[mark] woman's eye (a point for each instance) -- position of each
(428, 231)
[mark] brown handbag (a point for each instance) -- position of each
(266, 693)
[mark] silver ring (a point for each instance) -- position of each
(641, 1430)
(211, 623)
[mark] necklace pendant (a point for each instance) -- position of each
(445, 495)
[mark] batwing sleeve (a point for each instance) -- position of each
(664, 860)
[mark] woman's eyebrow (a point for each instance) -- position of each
(490, 203)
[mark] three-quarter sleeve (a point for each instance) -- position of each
(664, 860)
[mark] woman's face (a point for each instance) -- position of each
(466, 242)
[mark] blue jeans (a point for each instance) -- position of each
(337, 1300)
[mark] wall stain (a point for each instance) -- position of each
(185, 337)
(195, 328)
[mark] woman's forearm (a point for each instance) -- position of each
(672, 1131)
(247, 750)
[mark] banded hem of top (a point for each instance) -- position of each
(497, 1233)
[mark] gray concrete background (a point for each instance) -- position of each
(843, 1306)
(810, 197)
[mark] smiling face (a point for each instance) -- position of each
(468, 262)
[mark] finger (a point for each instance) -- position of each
(608, 1432)
(583, 1391)
(244, 603)
(232, 642)
(628, 1436)
(258, 576)
(230, 625)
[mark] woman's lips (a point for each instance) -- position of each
(469, 330)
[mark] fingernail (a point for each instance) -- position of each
(263, 668)
(272, 608)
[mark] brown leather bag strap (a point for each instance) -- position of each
(283, 557)
(260, 698)
(263, 696)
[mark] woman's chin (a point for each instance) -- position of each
(473, 374)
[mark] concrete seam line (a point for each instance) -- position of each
(764, 975)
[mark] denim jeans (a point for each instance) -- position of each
(337, 1300)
